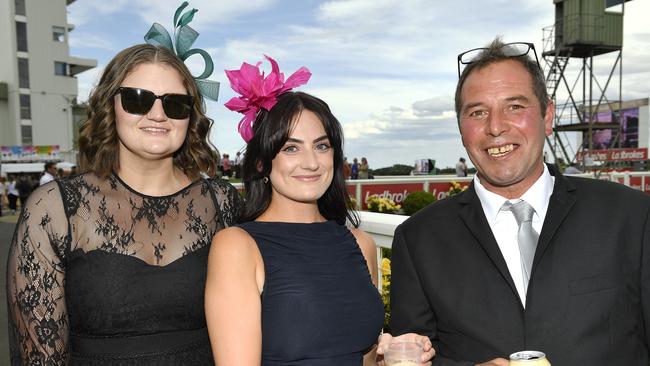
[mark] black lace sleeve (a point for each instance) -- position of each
(229, 200)
(38, 321)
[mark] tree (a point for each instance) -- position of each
(397, 169)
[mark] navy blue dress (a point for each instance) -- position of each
(319, 306)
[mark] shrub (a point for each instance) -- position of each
(416, 201)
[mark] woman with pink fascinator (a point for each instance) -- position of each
(291, 285)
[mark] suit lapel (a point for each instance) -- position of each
(471, 212)
(562, 200)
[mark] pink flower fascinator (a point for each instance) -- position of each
(259, 91)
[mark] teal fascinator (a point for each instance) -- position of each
(184, 37)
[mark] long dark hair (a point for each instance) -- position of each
(271, 131)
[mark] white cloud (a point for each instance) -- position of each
(397, 136)
(370, 13)
(433, 106)
(87, 80)
(251, 51)
(358, 129)
(387, 68)
(636, 17)
(92, 41)
(82, 12)
(211, 13)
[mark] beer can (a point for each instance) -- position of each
(528, 358)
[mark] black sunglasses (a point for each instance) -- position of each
(514, 49)
(140, 101)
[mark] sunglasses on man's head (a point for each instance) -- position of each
(140, 101)
(514, 49)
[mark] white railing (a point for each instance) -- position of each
(636, 180)
(381, 228)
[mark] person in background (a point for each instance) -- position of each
(364, 169)
(461, 168)
(24, 186)
(291, 285)
(3, 193)
(572, 169)
(526, 258)
(49, 174)
(237, 166)
(108, 267)
(12, 194)
(227, 166)
(219, 173)
(347, 169)
(355, 169)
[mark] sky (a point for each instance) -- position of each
(387, 68)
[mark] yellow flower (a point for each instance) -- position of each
(385, 266)
(377, 204)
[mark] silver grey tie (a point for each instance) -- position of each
(526, 236)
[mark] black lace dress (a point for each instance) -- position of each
(99, 274)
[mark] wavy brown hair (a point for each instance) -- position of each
(98, 139)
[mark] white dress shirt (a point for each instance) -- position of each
(11, 189)
(504, 226)
(45, 178)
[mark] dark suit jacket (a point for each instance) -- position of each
(588, 300)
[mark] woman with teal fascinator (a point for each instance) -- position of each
(108, 267)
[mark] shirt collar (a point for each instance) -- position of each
(538, 196)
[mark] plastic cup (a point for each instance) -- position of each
(403, 353)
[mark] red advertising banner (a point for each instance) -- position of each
(397, 192)
(614, 155)
(636, 182)
(393, 191)
(442, 190)
(352, 189)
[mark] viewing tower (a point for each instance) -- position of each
(586, 31)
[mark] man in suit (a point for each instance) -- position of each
(463, 272)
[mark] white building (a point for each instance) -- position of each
(37, 75)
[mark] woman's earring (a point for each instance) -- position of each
(265, 180)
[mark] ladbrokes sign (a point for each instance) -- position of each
(397, 192)
(614, 155)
